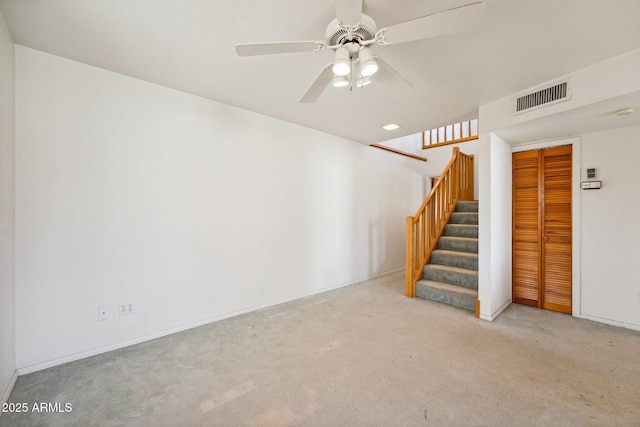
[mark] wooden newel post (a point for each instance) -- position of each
(410, 289)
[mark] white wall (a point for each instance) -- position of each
(408, 143)
(7, 194)
(437, 158)
(610, 249)
(193, 210)
(494, 251)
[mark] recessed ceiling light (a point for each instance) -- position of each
(624, 111)
(390, 126)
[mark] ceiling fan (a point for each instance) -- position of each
(350, 36)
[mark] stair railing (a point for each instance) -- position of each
(424, 229)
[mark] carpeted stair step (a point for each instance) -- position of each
(461, 230)
(446, 293)
(455, 259)
(467, 206)
(453, 275)
(460, 244)
(464, 218)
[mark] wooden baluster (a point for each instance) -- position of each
(462, 195)
(441, 199)
(459, 181)
(416, 247)
(449, 190)
(461, 192)
(456, 180)
(467, 181)
(438, 195)
(427, 230)
(427, 222)
(431, 213)
(471, 176)
(426, 235)
(447, 197)
(422, 236)
(464, 178)
(432, 218)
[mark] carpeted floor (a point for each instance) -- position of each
(363, 355)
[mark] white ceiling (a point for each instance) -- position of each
(590, 118)
(189, 45)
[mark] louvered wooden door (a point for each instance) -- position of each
(542, 252)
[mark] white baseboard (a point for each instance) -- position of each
(94, 352)
(632, 326)
(496, 313)
(9, 389)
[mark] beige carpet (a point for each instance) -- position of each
(363, 355)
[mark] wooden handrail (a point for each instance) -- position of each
(402, 153)
(424, 229)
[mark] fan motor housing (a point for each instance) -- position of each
(338, 34)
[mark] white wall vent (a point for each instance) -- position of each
(543, 97)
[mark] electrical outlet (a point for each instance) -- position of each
(103, 312)
(127, 308)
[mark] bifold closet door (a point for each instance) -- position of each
(542, 252)
(526, 228)
(556, 229)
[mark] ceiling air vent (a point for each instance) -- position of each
(557, 92)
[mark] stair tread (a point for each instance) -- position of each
(448, 287)
(461, 230)
(460, 238)
(453, 225)
(467, 206)
(446, 293)
(464, 218)
(460, 270)
(456, 253)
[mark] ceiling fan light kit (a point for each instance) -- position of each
(368, 64)
(352, 33)
(340, 81)
(363, 81)
(341, 64)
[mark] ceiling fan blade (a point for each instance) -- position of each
(451, 21)
(318, 86)
(389, 77)
(348, 11)
(252, 49)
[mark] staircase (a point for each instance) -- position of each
(452, 275)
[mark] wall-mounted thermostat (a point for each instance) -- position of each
(591, 173)
(591, 185)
